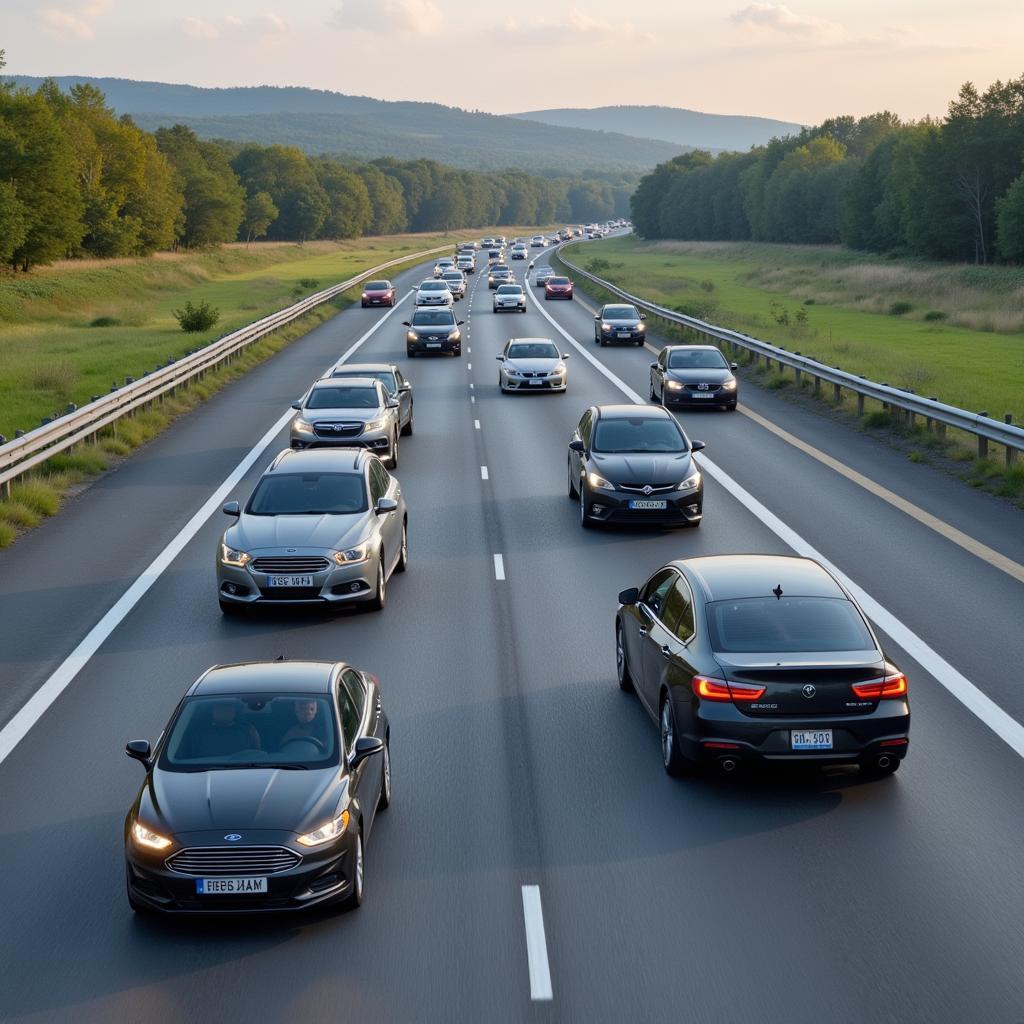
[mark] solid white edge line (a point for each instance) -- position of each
(36, 706)
(978, 703)
(499, 567)
(536, 945)
(484, 475)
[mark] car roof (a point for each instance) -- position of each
(351, 382)
(515, 286)
(618, 305)
(269, 676)
(706, 348)
(528, 341)
(319, 460)
(380, 280)
(729, 577)
(623, 412)
(356, 368)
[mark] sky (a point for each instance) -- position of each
(800, 61)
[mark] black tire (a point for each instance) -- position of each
(585, 520)
(403, 554)
(384, 800)
(731, 408)
(230, 608)
(458, 352)
(621, 668)
(573, 491)
(407, 429)
(411, 353)
(671, 756)
(654, 397)
(392, 461)
(380, 595)
(354, 900)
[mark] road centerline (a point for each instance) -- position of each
(536, 945)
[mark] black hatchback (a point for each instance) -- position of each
(261, 792)
(760, 658)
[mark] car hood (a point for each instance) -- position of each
(377, 291)
(685, 375)
(334, 415)
(432, 293)
(261, 534)
(531, 365)
(445, 329)
(623, 325)
(243, 798)
(642, 468)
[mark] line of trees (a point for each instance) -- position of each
(77, 180)
(950, 189)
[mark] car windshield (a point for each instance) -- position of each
(510, 289)
(433, 318)
(558, 280)
(342, 397)
(638, 434)
(759, 625)
(433, 286)
(620, 313)
(308, 494)
(532, 350)
(258, 730)
(386, 377)
(696, 359)
(455, 278)
(377, 286)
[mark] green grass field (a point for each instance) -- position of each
(954, 332)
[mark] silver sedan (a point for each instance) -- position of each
(321, 527)
(532, 364)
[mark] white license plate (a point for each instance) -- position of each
(230, 886)
(649, 504)
(811, 739)
(535, 383)
(623, 334)
(701, 394)
(289, 581)
(433, 344)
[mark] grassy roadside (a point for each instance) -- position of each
(778, 293)
(51, 351)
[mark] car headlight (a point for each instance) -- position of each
(148, 838)
(640, 327)
(674, 385)
(302, 426)
(359, 553)
(729, 385)
(606, 327)
(454, 336)
(599, 482)
(692, 481)
(411, 336)
(560, 368)
(371, 425)
(232, 556)
(333, 829)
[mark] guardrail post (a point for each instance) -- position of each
(982, 442)
(817, 386)
(860, 404)
(1011, 452)
(837, 393)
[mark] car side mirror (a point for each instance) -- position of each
(654, 366)
(385, 505)
(500, 359)
(405, 323)
(565, 355)
(597, 316)
(576, 445)
(366, 746)
(734, 366)
(231, 508)
(296, 405)
(630, 596)
(697, 446)
(459, 323)
(404, 386)
(392, 404)
(643, 316)
(140, 751)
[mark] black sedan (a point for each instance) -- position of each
(694, 375)
(619, 322)
(261, 792)
(757, 658)
(633, 464)
(433, 330)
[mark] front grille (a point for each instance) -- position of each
(655, 488)
(293, 565)
(704, 389)
(235, 860)
(348, 428)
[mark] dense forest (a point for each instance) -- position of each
(950, 189)
(77, 180)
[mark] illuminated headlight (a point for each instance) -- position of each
(232, 556)
(640, 327)
(411, 336)
(692, 481)
(599, 482)
(512, 371)
(674, 385)
(357, 554)
(606, 327)
(365, 295)
(729, 385)
(454, 336)
(302, 426)
(371, 425)
(146, 837)
(334, 829)
(560, 368)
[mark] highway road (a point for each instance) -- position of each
(517, 761)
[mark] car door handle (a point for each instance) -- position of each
(665, 651)
(643, 631)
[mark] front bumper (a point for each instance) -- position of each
(434, 302)
(548, 294)
(338, 584)
(434, 345)
(714, 396)
(510, 307)
(378, 441)
(559, 383)
(628, 335)
(682, 508)
(378, 300)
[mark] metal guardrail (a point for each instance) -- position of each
(77, 425)
(905, 403)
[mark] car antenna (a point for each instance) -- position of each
(778, 592)
(280, 657)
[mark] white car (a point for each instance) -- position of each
(456, 282)
(467, 264)
(519, 252)
(538, 242)
(443, 264)
(532, 364)
(510, 296)
(434, 292)
(541, 275)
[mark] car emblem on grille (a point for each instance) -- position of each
(702, 387)
(648, 488)
(809, 691)
(233, 837)
(291, 551)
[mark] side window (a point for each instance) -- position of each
(663, 358)
(349, 716)
(678, 613)
(399, 379)
(585, 428)
(357, 690)
(378, 482)
(656, 589)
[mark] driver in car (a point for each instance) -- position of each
(224, 734)
(307, 723)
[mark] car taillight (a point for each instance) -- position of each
(891, 686)
(709, 688)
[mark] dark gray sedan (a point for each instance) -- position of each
(694, 375)
(395, 383)
(619, 322)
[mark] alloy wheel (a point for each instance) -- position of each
(667, 732)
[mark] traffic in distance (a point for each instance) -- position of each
(261, 792)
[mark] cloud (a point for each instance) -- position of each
(265, 27)
(779, 19)
(74, 22)
(199, 29)
(575, 24)
(406, 17)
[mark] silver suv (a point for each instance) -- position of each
(321, 527)
(354, 413)
(394, 381)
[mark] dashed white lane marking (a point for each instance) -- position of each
(499, 567)
(470, 387)
(484, 475)
(978, 703)
(536, 945)
(469, 366)
(36, 706)
(476, 424)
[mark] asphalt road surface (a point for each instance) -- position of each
(517, 761)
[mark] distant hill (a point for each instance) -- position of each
(329, 122)
(687, 128)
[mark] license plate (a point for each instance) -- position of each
(229, 886)
(433, 344)
(535, 383)
(623, 334)
(811, 739)
(289, 581)
(701, 394)
(648, 504)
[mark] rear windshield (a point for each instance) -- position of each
(558, 280)
(377, 286)
(308, 494)
(620, 313)
(259, 730)
(510, 289)
(638, 434)
(457, 277)
(759, 625)
(697, 359)
(433, 286)
(342, 397)
(433, 318)
(532, 350)
(386, 377)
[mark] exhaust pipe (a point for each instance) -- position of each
(728, 764)
(883, 761)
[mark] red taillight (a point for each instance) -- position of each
(890, 687)
(708, 688)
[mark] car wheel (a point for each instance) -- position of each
(410, 353)
(230, 608)
(639, 342)
(654, 397)
(573, 492)
(364, 305)
(354, 900)
(671, 756)
(731, 408)
(403, 554)
(384, 800)
(585, 520)
(392, 462)
(621, 668)
(407, 429)
(380, 595)
(458, 352)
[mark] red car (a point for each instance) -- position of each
(558, 288)
(378, 293)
